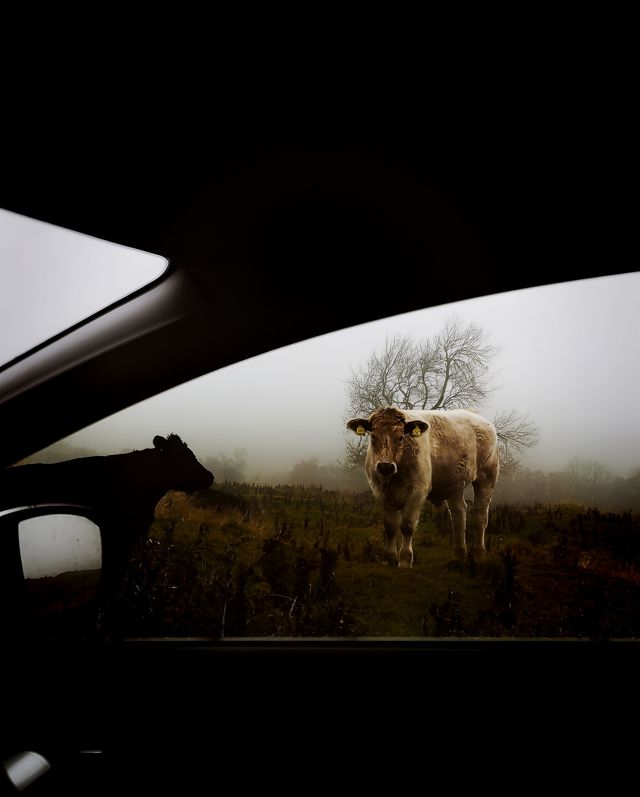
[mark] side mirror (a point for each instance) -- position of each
(50, 566)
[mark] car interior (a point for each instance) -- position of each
(273, 240)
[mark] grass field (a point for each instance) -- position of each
(253, 561)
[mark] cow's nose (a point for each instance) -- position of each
(386, 468)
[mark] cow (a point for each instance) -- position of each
(430, 454)
(124, 488)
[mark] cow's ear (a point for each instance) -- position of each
(159, 442)
(359, 425)
(415, 428)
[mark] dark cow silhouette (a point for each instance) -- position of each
(124, 488)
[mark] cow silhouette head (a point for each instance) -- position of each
(177, 459)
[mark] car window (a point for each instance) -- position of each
(39, 261)
(514, 415)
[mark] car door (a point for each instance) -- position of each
(261, 255)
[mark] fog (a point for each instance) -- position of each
(568, 358)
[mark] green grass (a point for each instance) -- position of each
(293, 561)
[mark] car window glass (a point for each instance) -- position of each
(289, 540)
(39, 261)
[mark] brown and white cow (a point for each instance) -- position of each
(415, 455)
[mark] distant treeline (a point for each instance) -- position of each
(581, 481)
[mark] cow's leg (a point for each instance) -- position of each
(391, 528)
(408, 522)
(481, 499)
(405, 555)
(457, 508)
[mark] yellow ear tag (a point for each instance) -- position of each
(361, 430)
(416, 431)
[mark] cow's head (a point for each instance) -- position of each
(181, 466)
(390, 433)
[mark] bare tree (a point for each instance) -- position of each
(448, 371)
(444, 372)
(515, 433)
(228, 469)
(587, 478)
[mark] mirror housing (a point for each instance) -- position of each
(50, 567)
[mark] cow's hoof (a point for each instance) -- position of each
(405, 563)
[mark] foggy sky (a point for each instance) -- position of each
(569, 357)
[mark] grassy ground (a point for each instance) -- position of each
(246, 560)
